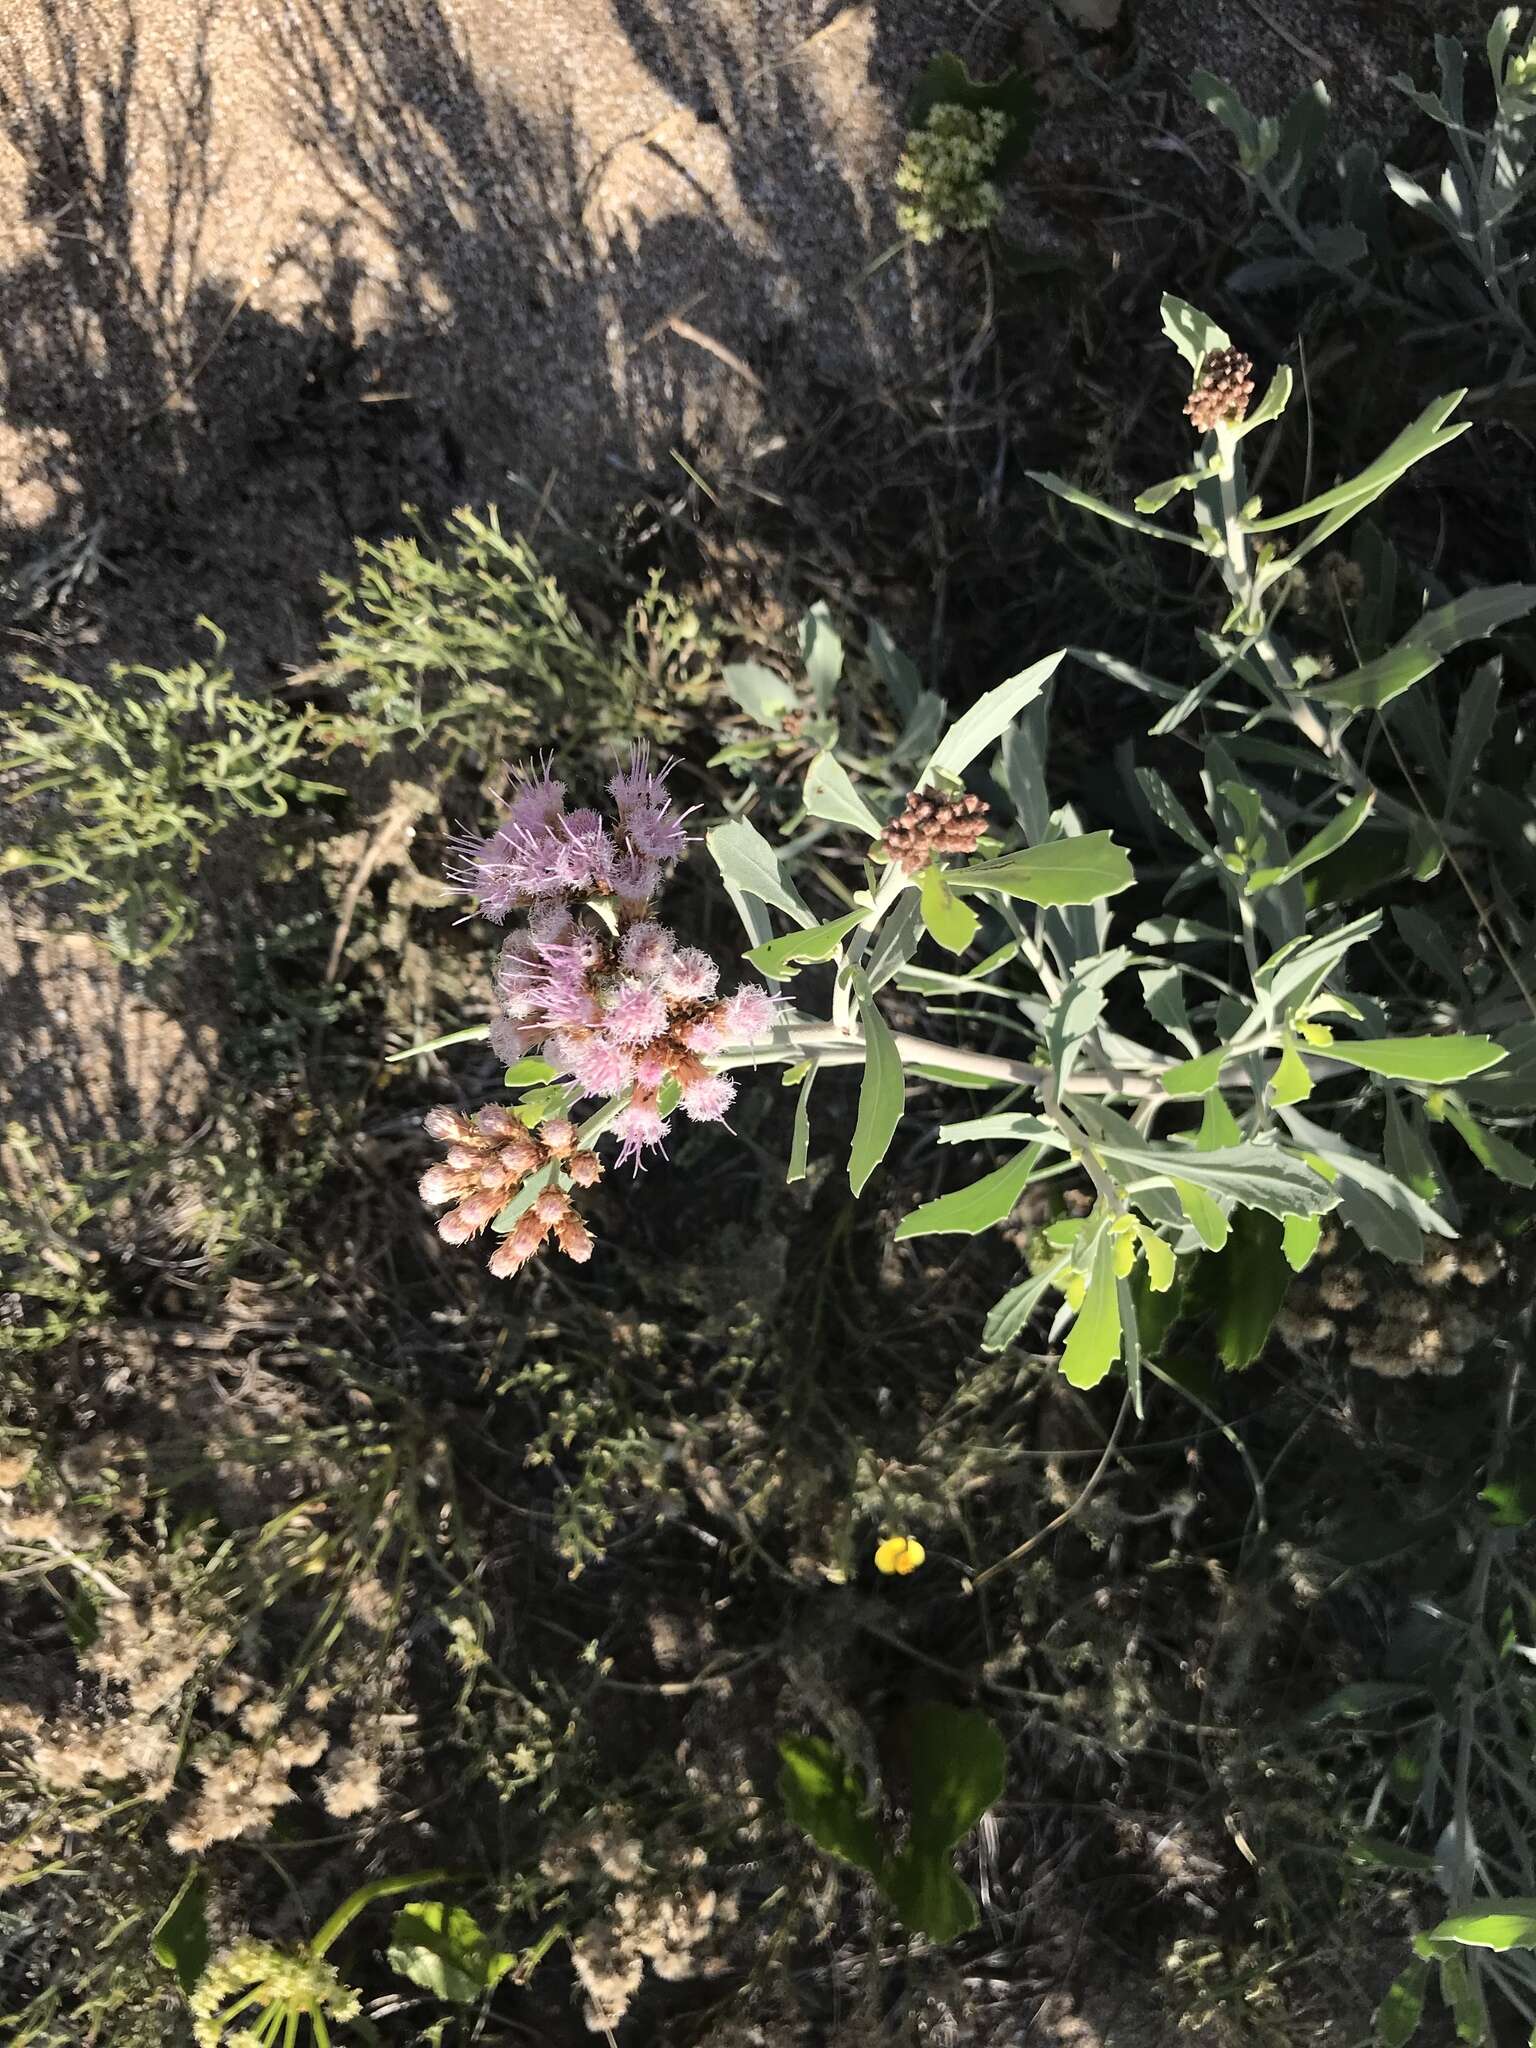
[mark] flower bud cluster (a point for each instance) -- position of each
(944, 167)
(1222, 392)
(490, 1160)
(929, 825)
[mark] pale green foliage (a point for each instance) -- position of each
(473, 646)
(136, 782)
(945, 168)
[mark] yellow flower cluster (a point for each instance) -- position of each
(257, 1976)
(944, 167)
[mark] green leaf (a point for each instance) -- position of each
(1420, 438)
(898, 673)
(1243, 1286)
(830, 794)
(1159, 495)
(1082, 869)
(1193, 333)
(1009, 1316)
(1490, 1150)
(958, 1767)
(1491, 1923)
(821, 649)
(180, 1940)
(760, 693)
(1168, 810)
(1474, 728)
(824, 1797)
(988, 719)
(1512, 1500)
(800, 1141)
(950, 922)
(1291, 1081)
(1093, 1342)
(1302, 1235)
(1435, 1060)
(444, 1950)
(779, 958)
(1255, 1174)
(968, 1211)
(1399, 2013)
(1333, 835)
(529, 1071)
(1210, 1225)
(1085, 501)
(747, 862)
(927, 1895)
(1271, 405)
(1162, 1266)
(1219, 1128)
(881, 1091)
(1196, 1077)
(1425, 646)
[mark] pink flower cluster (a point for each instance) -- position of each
(543, 853)
(588, 978)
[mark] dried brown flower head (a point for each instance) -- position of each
(1222, 392)
(931, 825)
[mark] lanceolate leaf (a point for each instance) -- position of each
(881, 1091)
(1436, 1060)
(987, 720)
(1093, 1342)
(749, 863)
(1302, 1235)
(1437, 634)
(1329, 840)
(1499, 1924)
(800, 1142)
(1062, 871)
(976, 1208)
(1254, 1175)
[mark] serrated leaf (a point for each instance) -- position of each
(987, 720)
(881, 1091)
(1435, 1060)
(747, 862)
(824, 1796)
(779, 958)
(1169, 811)
(1093, 1342)
(760, 693)
(443, 1949)
(1255, 1174)
(829, 793)
(1162, 1266)
(949, 922)
(967, 1211)
(1083, 869)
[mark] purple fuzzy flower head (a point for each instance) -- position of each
(637, 1014)
(706, 1101)
(749, 1015)
(639, 1127)
(691, 975)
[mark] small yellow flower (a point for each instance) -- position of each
(899, 1554)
